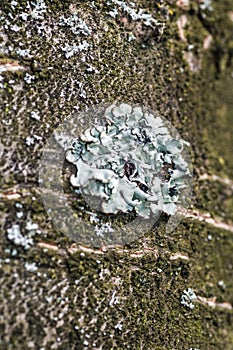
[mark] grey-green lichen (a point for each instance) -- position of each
(129, 160)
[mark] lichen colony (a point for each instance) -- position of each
(129, 161)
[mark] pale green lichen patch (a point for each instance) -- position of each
(130, 161)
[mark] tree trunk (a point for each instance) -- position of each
(161, 291)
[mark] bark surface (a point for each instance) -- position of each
(57, 58)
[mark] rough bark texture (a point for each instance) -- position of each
(61, 295)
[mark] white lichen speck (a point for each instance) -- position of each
(76, 24)
(71, 50)
(31, 267)
(187, 298)
(133, 13)
(14, 234)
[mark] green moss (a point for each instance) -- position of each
(216, 198)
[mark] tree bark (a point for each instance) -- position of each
(162, 291)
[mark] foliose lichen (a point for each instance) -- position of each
(129, 161)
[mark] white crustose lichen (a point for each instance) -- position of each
(75, 24)
(135, 14)
(129, 161)
(188, 297)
